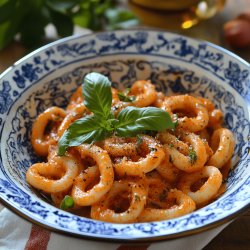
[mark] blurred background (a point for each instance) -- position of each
(28, 24)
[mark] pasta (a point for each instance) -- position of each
(150, 176)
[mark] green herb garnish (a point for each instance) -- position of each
(102, 124)
(175, 121)
(67, 202)
(137, 198)
(192, 156)
(124, 97)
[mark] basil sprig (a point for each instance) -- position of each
(102, 123)
(97, 94)
(133, 120)
(124, 97)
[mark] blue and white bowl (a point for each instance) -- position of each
(176, 64)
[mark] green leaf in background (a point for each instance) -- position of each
(82, 18)
(6, 9)
(29, 18)
(10, 20)
(32, 29)
(7, 32)
(97, 94)
(91, 14)
(133, 120)
(120, 19)
(63, 23)
(62, 5)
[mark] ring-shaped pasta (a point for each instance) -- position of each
(138, 193)
(215, 115)
(189, 104)
(58, 197)
(52, 153)
(222, 142)
(207, 103)
(103, 162)
(205, 136)
(184, 206)
(215, 119)
(117, 107)
(160, 97)
(145, 93)
(117, 104)
(52, 177)
(171, 141)
(144, 165)
(120, 146)
(166, 169)
(157, 189)
(39, 141)
(154, 168)
(115, 96)
(75, 114)
(75, 99)
(208, 190)
(183, 161)
(82, 182)
(52, 157)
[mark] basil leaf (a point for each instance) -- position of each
(97, 94)
(67, 202)
(130, 121)
(86, 129)
(133, 120)
(124, 97)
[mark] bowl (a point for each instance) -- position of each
(176, 64)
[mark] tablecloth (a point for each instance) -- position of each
(17, 234)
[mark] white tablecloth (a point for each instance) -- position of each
(17, 234)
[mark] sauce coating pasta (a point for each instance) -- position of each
(151, 176)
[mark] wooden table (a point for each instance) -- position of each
(237, 234)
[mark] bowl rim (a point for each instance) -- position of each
(185, 233)
(150, 238)
(76, 36)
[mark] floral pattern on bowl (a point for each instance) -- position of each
(176, 64)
